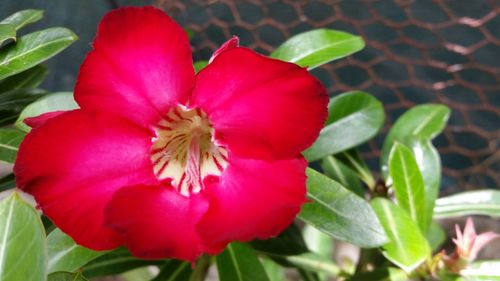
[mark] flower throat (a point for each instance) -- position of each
(184, 150)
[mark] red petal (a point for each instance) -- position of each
(261, 107)
(74, 163)
(39, 120)
(228, 45)
(141, 65)
(252, 199)
(158, 222)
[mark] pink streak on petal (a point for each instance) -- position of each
(228, 45)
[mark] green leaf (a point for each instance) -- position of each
(65, 255)
(49, 103)
(314, 263)
(22, 241)
(174, 270)
(13, 102)
(435, 236)
(273, 270)
(66, 276)
(407, 247)
(7, 32)
(318, 242)
(115, 262)
(316, 47)
(353, 160)
(339, 172)
(340, 213)
(30, 78)
(22, 18)
(408, 183)
(477, 202)
(482, 271)
(415, 129)
(289, 242)
(34, 48)
(199, 65)
(9, 143)
(240, 263)
(353, 118)
(7, 182)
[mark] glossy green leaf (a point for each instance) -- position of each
(314, 263)
(318, 242)
(407, 247)
(9, 143)
(435, 236)
(13, 102)
(353, 160)
(33, 48)
(199, 65)
(339, 172)
(65, 255)
(482, 271)
(7, 32)
(30, 78)
(477, 202)
(174, 270)
(408, 183)
(22, 18)
(288, 242)
(353, 118)
(415, 129)
(49, 103)
(66, 276)
(22, 241)
(340, 213)
(240, 263)
(317, 47)
(273, 270)
(115, 262)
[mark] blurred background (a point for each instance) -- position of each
(417, 51)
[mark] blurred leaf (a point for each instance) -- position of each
(49, 103)
(381, 274)
(482, 271)
(318, 242)
(115, 262)
(408, 183)
(66, 276)
(22, 241)
(314, 263)
(308, 275)
(415, 129)
(22, 18)
(289, 242)
(30, 78)
(340, 213)
(240, 263)
(9, 143)
(317, 47)
(7, 182)
(65, 255)
(174, 270)
(353, 160)
(138, 274)
(13, 102)
(273, 270)
(339, 172)
(199, 65)
(435, 236)
(33, 48)
(353, 118)
(407, 247)
(7, 32)
(477, 202)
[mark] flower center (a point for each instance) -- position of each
(184, 150)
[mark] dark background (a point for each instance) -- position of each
(418, 51)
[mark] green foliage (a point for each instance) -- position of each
(66, 276)
(22, 18)
(174, 270)
(407, 247)
(30, 78)
(7, 32)
(330, 209)
(9, 143)
(478, 202)
(240, 263)
(22, 241)
(317, 47)
(353, 118)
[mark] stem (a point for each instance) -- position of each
(201, 269)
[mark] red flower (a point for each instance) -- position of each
(166, 162)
